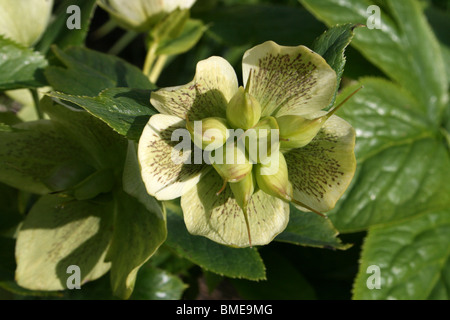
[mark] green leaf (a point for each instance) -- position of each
(446, 56)
(331, 46)
(7, 262)
(171, 26)
(5, 128)
(403, 167)
(404, 48)
(29, 154)
(384, 115)
(88, 72)
(138, 233)
(102, 147)
(440, 22)
(133, 184)
(284, 282)
(192, 32)
(9, 215)
(59, 34)
(58, 233)
(125, 110)
(7, 117)
(247, 25)
(440, 290)
(413, 257)
(20, 67)
(308, 229)
(157, 284)
(20, 293)
(231, 262)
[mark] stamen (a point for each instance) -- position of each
(223, 187)
(329, 114)
(309, 208)
(189, 124)
(247, 85)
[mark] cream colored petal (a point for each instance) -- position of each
(321, 171)
(164, 173)
(24, 21)
(170, 5)
(220, 218)
(140, 15)
(288, 80)
(207, 95)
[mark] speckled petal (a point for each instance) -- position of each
(321, 171)
(164, 178)
(214, 84)
(288, 80)
(220, 218)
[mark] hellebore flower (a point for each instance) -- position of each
(141, 15)
(239, 204)
(24, 21)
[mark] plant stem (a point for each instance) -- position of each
(157, 68)
(149, 59)
(123, 42)
(106, 28)
(35, 95)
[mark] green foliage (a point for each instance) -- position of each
(58, 233)
(331, 46)
(125, 110)
(413, 256)
(88, 72)
(20, 67)
(40, 141)
(400, 192)
(247, 25)
(137, 234)
(309, 229)
(58, 33)
(191, 33)
(231, 262)
(404, 34)
(283, 282)
(71, 191)
(157, 284)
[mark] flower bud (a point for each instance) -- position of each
(297, 131)
(273, 178)
(210, 131)
(24, 21)
(230, 162)
(243, 110)
(261, 140)
(243, 190)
